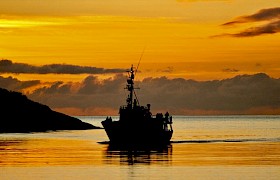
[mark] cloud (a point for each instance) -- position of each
(272, 15)
(230, 70)
(7, 66)
(243, 94)
(56, 88)
(231, 95)
(262, 15)
(91, 93)
(14, 84)
(258, 64)
(270, 28)
(168, 69)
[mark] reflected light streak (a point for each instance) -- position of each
(49, 152)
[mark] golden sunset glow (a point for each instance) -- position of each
(180, 37)
(191, 39)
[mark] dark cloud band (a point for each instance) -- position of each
(7, 66)
(272, 15)
(270, 28)
(234, 96)
(262, 15)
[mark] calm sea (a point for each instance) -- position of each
(203, 147)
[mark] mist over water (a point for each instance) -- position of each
(203, 147)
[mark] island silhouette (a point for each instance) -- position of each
(18, 114)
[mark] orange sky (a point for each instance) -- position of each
(181, 38)
(177, 36)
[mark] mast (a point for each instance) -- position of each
(130, 87)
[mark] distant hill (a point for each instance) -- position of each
(18, 114)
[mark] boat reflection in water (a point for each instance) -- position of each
(146, 155)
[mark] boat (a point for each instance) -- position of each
(136, 124)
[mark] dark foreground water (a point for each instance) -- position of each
(206, 147)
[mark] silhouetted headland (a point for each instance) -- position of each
(18, 114)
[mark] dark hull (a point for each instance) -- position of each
(148, 133)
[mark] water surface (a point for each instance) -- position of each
(204, 147)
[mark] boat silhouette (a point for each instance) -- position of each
(136, 124)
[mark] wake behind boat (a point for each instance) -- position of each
(136, 124)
